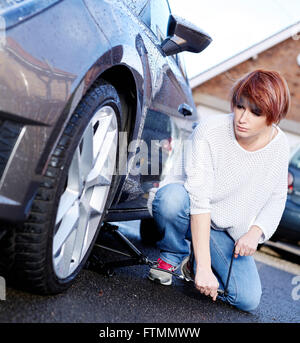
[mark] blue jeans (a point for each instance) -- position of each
(171, 212)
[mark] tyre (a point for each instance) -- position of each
(149, 232)
(49, 250)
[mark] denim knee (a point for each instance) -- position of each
(248, 299)
(171, 200)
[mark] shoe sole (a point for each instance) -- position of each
(158, 281)
(161, 277)
(184, 270)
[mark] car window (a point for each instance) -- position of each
(156, 16)
(295, 161)
(181, 64)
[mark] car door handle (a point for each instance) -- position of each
(185, 109)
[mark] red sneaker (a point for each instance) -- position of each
(161, 272)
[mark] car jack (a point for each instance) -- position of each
(135, 257)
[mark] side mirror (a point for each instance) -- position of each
(184, 36)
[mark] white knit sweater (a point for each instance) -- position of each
(238, 187)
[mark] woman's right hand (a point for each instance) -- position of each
(206, 282)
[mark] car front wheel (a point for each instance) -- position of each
(51, 247)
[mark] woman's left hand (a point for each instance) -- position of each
(247, 244)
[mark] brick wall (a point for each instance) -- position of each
(282, 57)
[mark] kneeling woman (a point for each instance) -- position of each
(227, 193)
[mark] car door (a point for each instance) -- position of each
(164, 124)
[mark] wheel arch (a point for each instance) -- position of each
(123, 81)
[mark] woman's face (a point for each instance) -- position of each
(249, 122)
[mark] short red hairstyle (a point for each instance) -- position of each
(266, 90)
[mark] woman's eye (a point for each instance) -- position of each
(239, 106)
(257, 114)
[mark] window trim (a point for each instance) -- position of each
(22, 10)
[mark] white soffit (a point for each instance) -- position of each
(291, 31)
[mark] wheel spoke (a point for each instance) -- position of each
(98, 199)
(66, 227)
(102, 171)
(67, 200)
(64, 261)
(95, 179)
(83, 225)
(85, 201)
(101, 132)
(87, 153)
(75, 174)
(89, 234)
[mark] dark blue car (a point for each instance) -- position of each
(86, 87)
(289, 226)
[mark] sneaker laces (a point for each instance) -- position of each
(161, 264)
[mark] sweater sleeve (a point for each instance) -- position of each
(270, 215)
(199, 172)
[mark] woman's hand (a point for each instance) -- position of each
(206, 282)
(247, 244)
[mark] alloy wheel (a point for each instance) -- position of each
(83, 200)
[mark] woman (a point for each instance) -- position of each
(228, 194)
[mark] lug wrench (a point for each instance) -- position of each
(186, 278)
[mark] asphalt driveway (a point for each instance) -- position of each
(128, 296)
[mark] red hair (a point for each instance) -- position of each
(267, 90)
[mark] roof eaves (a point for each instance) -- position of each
(293, 30)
